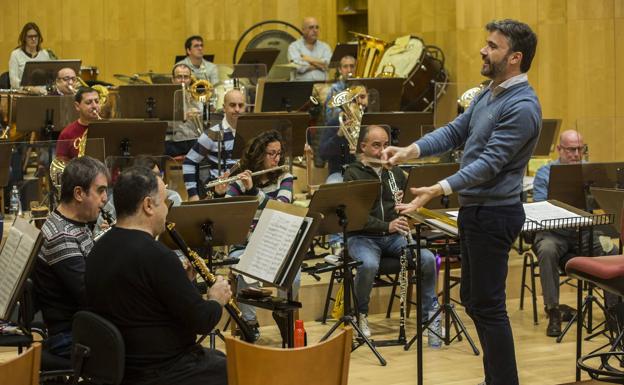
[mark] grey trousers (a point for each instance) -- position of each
(553, 249)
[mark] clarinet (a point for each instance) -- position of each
(394, 188)
(201, 269)
(108, 217)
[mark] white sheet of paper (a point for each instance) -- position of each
(543, 211)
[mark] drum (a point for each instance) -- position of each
(89, 73)
(422, 67)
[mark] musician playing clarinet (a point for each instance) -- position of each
(264, 152)
(384, 233)
(144, 290)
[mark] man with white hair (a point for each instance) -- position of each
(309, 53)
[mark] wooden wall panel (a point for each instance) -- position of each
(130, 36)
(577, 71)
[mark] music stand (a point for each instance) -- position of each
(6, 149)
(216, 222)
(405, 127)
(345, 208)
(547, 137)
(342, 50)
(126, 138)
(565, 184)
(45, 114)
(262, 56)
(604, 174)
(250, 125)
(611, 201)
(390, 91)
(283, 96)
(428, 175)
(151, 101)
(42, 73)
(207, 57)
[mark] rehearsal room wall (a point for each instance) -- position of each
(578, 71)
(130, 36)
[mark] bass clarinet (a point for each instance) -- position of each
(396, 193)
(200, 267)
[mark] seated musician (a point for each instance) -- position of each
(554, 248)
(29, 49)
(87, 103)
(182, 135)
(335, 148)
(264, 152)
(65, 83)
(58, 274)
(346, 69)
(383, 236)
(202, 68)
(144, 290)
(207, 146)
(311, 54)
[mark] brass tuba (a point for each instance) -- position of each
(369, 53)
(350, 114)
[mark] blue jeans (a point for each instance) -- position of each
(486, 234)
(369, 249)
(335, 177)
(59, 344)
(248, 311)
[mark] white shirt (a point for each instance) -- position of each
(18, 60)
(320, 50)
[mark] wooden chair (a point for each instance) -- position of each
(324, 363)
(23, 369)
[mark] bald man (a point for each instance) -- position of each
(208, 147)
(554, 248)
(309, 53)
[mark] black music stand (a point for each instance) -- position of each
(405, 127)
(265, 57)
(43, 73)
(428, 175)
(390, 91)
(283, 96)
(207, 57)
(126, 138)
(250, 125)
(342, 50)
(345, 208)
(147, 101)
(610, 200)
(216, 222)
(547, 137)
(44, 114)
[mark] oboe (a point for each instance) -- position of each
(239, 176)
(200, 267)
(396, 193)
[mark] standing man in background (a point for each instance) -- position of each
(309, 53)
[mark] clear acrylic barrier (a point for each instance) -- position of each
(188, 114)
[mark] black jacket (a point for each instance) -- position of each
(382, 212)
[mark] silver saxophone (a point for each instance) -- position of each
(396, 193)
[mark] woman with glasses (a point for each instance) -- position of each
(265, 151)
(29, 49)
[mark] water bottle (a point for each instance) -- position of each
(435, 326)
(14, 205)
(299, 334)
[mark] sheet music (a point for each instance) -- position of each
(10, 268)
(269, 244)
(444, 226)
(543, 211)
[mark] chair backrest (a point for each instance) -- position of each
(23, 369)
(324, 363)
(98, 350)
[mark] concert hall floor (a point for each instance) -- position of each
(541, 360)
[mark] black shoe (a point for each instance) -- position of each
(255, 331)
(281, 319)
(554, 322)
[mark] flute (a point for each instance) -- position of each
(239, 176)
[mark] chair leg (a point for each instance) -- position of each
(533, 289)
(523, 282)
(395, 283)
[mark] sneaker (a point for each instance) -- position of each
(363, 324)
(332, 259)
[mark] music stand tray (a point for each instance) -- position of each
(41, 73)
(151, 101)
(249, 126)
(134, 136)
(547, 137)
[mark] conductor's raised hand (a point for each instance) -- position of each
(422, 195)
(395, 155)
(220, 291)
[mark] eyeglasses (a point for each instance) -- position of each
(274, 154)
(572, 150)
(32, 37)
(313, 27)
(68, 79)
